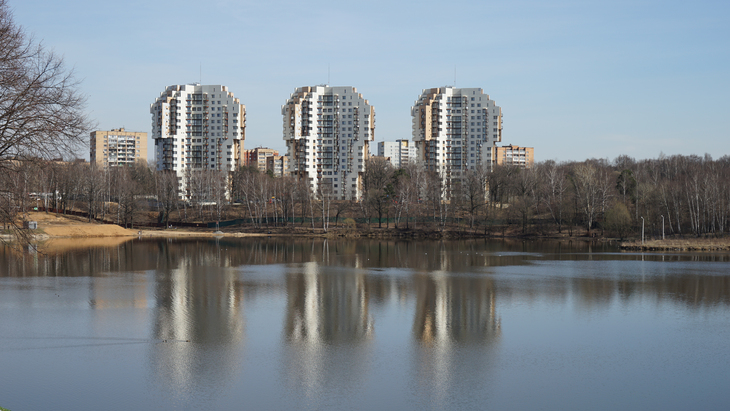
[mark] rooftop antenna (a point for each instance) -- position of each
(201, 73)
(328, 74)
(454, 76)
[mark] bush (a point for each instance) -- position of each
(618, 220)
(350, 225)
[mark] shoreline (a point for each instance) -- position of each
(67, 227)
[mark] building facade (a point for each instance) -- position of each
(511, 155)
(257, 157)
(198, 127)
(117, 148)
(400, 152)
(455, 129)
(277, 165)
(327, 131)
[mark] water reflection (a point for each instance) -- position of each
(326, 307)
(198, 321)
(454, 315)
(326, 315)
(454, 309)
(327, 325)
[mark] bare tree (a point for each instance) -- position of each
(407, 187)
(585, 184)
(474, 190)
(376, 191)
(93, 189)
(554, 188)
(41, 110)
(166, 183)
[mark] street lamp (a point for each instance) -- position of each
(642, 230)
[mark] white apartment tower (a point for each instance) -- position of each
(328, 132)
(198, 127)
(455, 129)
(400, 152)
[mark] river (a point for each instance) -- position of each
(219, 324)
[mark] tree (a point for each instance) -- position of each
(585, 183)
(474, 189)
(554, 189)
(376, 191)
(167, 187)
(41, 110)
(618, 220)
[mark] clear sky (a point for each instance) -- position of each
(575, 79)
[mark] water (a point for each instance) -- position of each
(313, 324)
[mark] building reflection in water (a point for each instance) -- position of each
(195, 291)
(455, 326)
(327, 328)
(198, 322)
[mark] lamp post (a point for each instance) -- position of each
(662, 228)
(642, 230)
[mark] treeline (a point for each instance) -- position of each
(690, 195)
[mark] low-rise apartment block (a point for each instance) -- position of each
(257, 157)
(117, 147)
(512, 155)
(399, 152)
(277, 165)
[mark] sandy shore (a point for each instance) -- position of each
(57, 226)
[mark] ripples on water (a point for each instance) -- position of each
(319, 324)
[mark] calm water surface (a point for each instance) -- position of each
(313, 324)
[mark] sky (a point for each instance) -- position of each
(575, 79)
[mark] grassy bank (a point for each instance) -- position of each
(684, 244)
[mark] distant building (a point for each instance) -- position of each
(454, 130)
(400, 152)
(327, 132)
(510, 155)
(277, 165)
(257, 157)
(117, 148)
(198, 127)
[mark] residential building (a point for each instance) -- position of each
(511, 155)
(277, 165)
(399, 152)
(117, 147)
(257, 157)
(327, 132)
(454, 130)
(198, 127)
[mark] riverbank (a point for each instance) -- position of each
(53, 226)
(688, 244)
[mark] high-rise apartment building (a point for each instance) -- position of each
(198, 127)
(117, 147)
(455, 129)
(400, 152)
(327, 132)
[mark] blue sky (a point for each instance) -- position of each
(575, 79)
